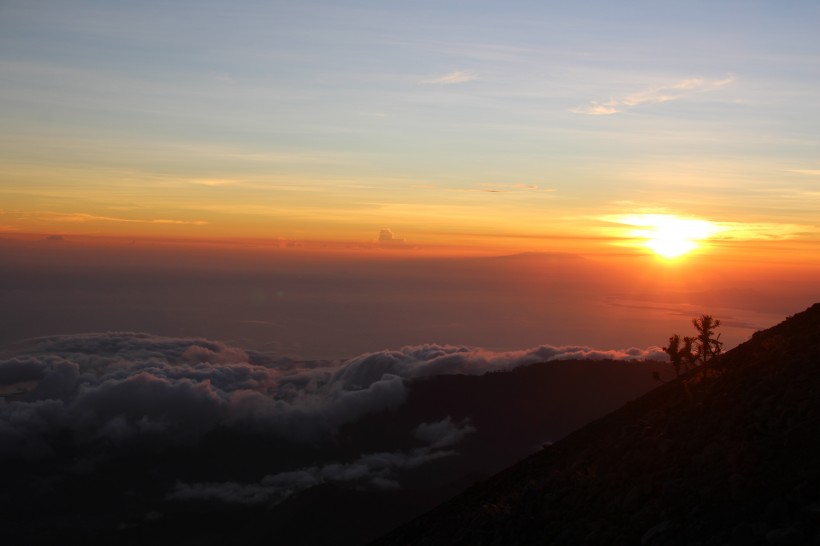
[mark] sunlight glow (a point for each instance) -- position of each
(670, 246)
(668, 235)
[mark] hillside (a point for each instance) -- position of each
(513, 412)
(738, 462)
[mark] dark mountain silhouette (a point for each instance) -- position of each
(514, 412)
(736, 461)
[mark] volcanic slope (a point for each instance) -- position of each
(735, 460)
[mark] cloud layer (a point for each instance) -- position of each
(120, 390)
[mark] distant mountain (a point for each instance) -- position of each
(735, 461)
(513, 412)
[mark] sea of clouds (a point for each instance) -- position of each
(126, 390)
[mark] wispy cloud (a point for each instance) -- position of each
(697, 228)
(458, 76)
(596, 109)
(654, 95)
(374, 470)
(506, 188)
(83, 217)
(213, 182)
(761, 231)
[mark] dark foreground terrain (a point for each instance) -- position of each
(734, 462)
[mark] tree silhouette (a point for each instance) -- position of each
(706, 346)
(681, 355)
(688, 352)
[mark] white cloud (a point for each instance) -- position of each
(457, 76)
(427, 360)
(129, 389)
(101, 395)
(655, 95)
(596, 109)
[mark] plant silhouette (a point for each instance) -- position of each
(707, 347)
(689, 352)
(681, 356)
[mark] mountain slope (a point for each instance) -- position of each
(735, 462)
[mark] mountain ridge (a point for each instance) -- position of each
(732, 464)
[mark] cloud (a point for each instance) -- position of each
(455, 77)
(760, 231)
(427, 360)
(443, 433)
(386, 238)
(507, 188)
(76, 217)
(214, 182)
(596, 109)
(696, 228)
(76, 402)
(655, 95)
(373, 470)
(134, 389)
(124, 390)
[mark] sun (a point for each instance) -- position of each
(667, 235)
(670, 245)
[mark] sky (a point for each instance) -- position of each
(509, 124)
(653, 159)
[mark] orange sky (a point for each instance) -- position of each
(331, 300)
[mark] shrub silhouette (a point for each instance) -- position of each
(706, 346)
(681, 357)
(688, 352)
